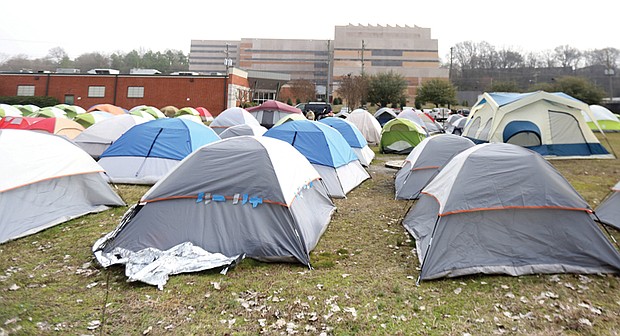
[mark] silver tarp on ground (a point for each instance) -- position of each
(425, 160)
(500, 208)
(232, 197)
(609, 210)
(153, 266)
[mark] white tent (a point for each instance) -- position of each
(605, 119)
(231, 117)
(46, 180)
(367, 124)
(98, 137)
(548, 123)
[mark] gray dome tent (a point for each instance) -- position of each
(502, 209)
(425, 160)
(608, 211)
(256, 196)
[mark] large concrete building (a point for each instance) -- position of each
(408, 51)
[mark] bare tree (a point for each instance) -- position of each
(548, 59)
(567, 56)
(354, 89)
(303, 89)
(57, 55)
(608, 57)
(532, 60)
(509, 59)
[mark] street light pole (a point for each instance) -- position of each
(610, 72)
(227, 64)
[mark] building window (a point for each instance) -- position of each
(96, 91)
(135, 92)
(25, 90)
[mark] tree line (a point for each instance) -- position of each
(167, 61)
(474, 66)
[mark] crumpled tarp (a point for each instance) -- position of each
(153, 266)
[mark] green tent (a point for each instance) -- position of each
(606, 120)
(152, 110)
(27, 109)
(91, 118)
(400, 136)
(49, 112)
(9, 111)
(71, 110)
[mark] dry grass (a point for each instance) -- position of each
(363, 282)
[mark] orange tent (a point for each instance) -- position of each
(107, 108)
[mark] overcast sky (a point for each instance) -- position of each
(32, 27)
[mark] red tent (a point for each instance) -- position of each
(274, 105)
(18, 122)
(204, 113)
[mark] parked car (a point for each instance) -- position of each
(463, 112)
(320, 109)
(440, 113)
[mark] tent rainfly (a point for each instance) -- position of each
(231, 117)
(271, 111)
(605, 119)
(146, 152)
(400, 136)
(97, 138)
(385, 114)
(367, 124)
(354, 138)
(243, 129)
(253, 196)
(608, 211)
(327, 151)
(425, 161)
(503, 209)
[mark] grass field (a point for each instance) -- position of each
(363, 282)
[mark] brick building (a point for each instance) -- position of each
(127, 91)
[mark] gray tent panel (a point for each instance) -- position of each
(408, 186)
(267, 232)
(518, 241)
(438, 150)
(35, 207)
(211, 170)
(420, 222)
(609, 211)
(504, 174)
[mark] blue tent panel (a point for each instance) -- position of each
(519, 126)
(350, 132)
(319, 143)
(169, 138)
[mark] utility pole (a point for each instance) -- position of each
(610, 72)
(363, 57)
(328, 72)
(450, 71)
(227, 64)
